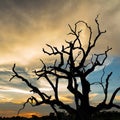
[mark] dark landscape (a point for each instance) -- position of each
(63, 116)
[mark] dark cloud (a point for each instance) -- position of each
(5, 109)
(25, 14)
(9, 105)
(5, 75)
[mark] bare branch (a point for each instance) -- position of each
(90, 31)
(34, 89)
(114, 95)
(116, 106)
(24, 105)
(101, 81)
(99, 32)
(77, 56)
(97, 61)
(106, 87)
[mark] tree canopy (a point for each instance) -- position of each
(72, 65)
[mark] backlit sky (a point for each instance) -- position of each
(27, 25)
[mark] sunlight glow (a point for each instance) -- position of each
(15, 90)
(117, 98)
(66, 99)
(4, 99)
(30, 114)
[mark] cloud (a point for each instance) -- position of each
(14, 90)
(93, 95)
(9, 109)
(66, 99)
(3, 98)
(107, 62)
(6, 73)
(10, 91)
(7, 113)
(14, 95)
(24, 30)
(117, 98)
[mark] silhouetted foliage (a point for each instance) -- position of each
(63, 116)
(73, 66)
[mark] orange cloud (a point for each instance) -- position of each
(66, 99)
(11, 113)
(117, 98)
(93, 95)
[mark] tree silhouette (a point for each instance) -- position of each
(72, 65)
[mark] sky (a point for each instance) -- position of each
(25, 28)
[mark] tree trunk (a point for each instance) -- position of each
(83, 114)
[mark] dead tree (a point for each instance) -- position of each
(71, 66)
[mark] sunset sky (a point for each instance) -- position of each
(25, 28)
